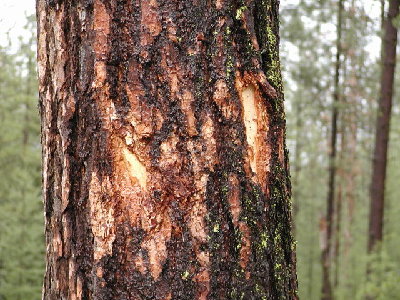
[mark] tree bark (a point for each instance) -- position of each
(382, 128)
(165, 172)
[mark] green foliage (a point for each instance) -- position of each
(308, 56)
(384, 278)
(21, 216)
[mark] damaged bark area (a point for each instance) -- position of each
(165, 172)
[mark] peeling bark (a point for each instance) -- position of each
(165, 172)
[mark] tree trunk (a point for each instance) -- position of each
(382, 128)
(350, 148)
(165, 172)
(330, 211)
(296, 186)
(297, 166)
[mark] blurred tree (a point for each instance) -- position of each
(309, 36)
(382, 127)
(328, 221)
(21, 217)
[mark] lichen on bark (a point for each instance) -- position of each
(164, 158)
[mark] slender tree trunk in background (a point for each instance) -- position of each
(341, 172)
(338, 233)
(165, 172)
(382, 25)
(297, 164)
(382, 128)
(296, 187)
(342, 161)
(350, 152)
(25, 133)
(330, 213)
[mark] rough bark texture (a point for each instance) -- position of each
(382, 127)
(165, 172)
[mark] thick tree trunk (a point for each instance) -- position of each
(165, 172)
(330, 205)
(382, 128)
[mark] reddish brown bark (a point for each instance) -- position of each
(165, 172)
(382, 128)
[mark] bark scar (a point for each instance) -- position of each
(136, 169)
(250, 89)
(260, 80)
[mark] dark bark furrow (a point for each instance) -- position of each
(165, 169)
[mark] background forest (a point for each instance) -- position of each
(318, 82)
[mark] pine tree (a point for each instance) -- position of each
(165, 167)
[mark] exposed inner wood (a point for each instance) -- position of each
(136, 169)
(250, 121)
(161, 140)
